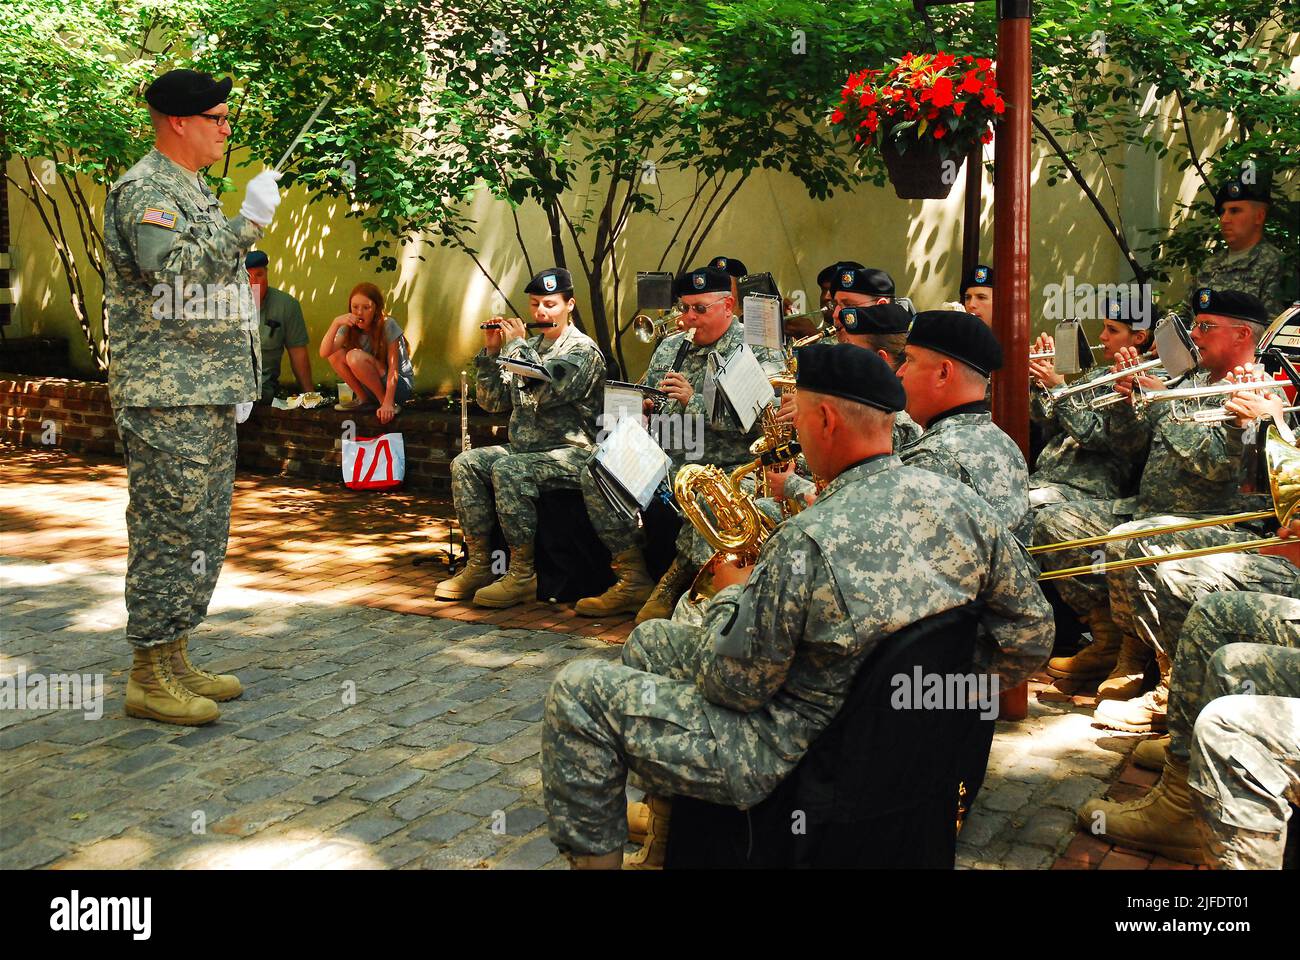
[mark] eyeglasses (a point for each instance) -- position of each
(1205, 326)
(702, 308)
(218, 119)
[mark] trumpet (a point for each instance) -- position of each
(1218, 415)
(1052, 397)
(1051, 354)
(809, 327)
(650, 331)
(1143, 400)
(496, 325)
(1282, 460)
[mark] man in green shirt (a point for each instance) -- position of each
(281, 325)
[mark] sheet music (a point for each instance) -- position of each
(621, 402)
(525, 368)
(743, 383)
(763, 321)
(631, 458)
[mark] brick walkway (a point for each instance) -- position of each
(379, 728)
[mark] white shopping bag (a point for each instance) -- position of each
(374, 463)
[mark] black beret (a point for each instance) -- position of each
(1235, 189)
(980, 275)
(1230, 303)
(550, 280)
(843, 370)
(960, 335)
(864, 280)
(1119, 309)
(256, 258)
(729, 265)
(828, 273)
(702, 280)
(183, 93)
(881, 318)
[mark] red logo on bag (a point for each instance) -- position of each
(369, 482)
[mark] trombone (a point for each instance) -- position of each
(1282, 460)
(652, 331)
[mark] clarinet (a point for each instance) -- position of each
(661, 402)
(464, 413)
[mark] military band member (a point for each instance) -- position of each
(551, 435)
(977, 292)
(860, 287)
(724, 711)
(177, 372)
(947, 363)
(1079, 460)
(1228, 639)
(1250, 264)
(686, 430)
(733, 268)
(826, 280)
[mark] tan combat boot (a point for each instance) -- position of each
(629, 592)
(1096, 660)
(1162, 821)
(1150, 754)
(1125, 681)
(154, 694)
(638, 821)
(664, 596)
(477, 573)
(655, 845)
(219, 687)
(519, 585)
(1144, 714)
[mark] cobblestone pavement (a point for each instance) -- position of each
(367, 737)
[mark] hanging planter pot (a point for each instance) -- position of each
(922, 172)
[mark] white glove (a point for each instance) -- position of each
(242, 410)
(261, 197)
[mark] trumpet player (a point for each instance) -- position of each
(826, 280)
(551, 434)
(1192, 470)
(679, 367)
(977, 292)
(1079, 460)
(739, 699)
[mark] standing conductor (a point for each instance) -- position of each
(184, 351)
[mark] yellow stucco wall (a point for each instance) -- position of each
(771, 225)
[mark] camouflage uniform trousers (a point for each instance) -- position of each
(1046, 494)
(618, 533)
(1075, 520)
(606, 720)
(1245, 763)
(494, 481)
(1152, 602)
(1247, 622)
(180, 477)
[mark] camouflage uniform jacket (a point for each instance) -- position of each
(725, 444)
(884, 546)
(546, 416)
(965, 444)
(1257, 271)
(1191, 468)
(181, 318)
(1081, 453)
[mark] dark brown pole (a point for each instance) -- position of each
(1011, 249)
(970, 230)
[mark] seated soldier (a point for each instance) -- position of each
(947, 362)
(686, 430)
(1079, 460)
(977, 292)
(724, 711)
(860, 287)
(826, 280)
(733, 268)
(551, 435)
(281, 325)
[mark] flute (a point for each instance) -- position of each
(496, 325)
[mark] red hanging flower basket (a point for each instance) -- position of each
(925, 116)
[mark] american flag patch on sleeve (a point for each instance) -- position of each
(159, 218)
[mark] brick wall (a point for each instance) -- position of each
(77, 416)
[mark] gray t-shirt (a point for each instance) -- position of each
(393, 334)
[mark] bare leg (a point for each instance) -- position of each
(366, 368)
(338, 360)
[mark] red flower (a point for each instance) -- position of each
(942, 61)
(933, 114)
(940, 132)
(971, 83)
(837, 116)
(959, 107)
(873, 121)
(942, 95)
(984, 63)
(986, 136)
(867, 99)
